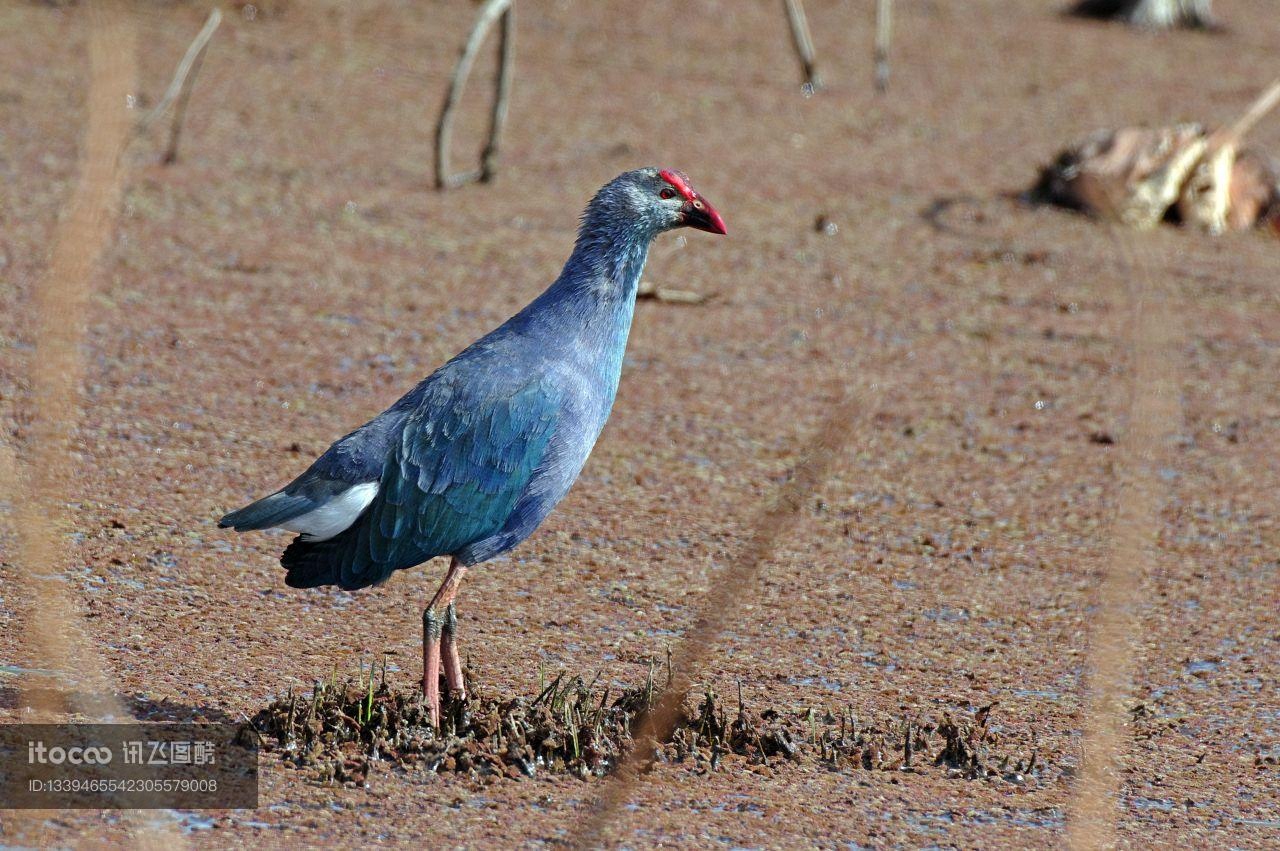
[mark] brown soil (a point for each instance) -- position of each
(294, 273)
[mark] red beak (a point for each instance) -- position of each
(700, 215)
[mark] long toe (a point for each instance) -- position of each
(431, 695)
(453, 677)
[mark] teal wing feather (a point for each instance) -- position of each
(454, 479)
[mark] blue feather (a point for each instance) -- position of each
(475, 457)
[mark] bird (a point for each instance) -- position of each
(469, 462)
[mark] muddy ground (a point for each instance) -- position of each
(294, 273)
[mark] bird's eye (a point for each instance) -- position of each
(666, 193)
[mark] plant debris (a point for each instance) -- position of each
(340, 728)
(1153, 14)
(652, 292)
(963, 746)
(1184, 173)
(340, 731)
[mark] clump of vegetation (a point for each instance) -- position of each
(966, 748)
(341, 729)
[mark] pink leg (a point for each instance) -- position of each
(431, 664)
(449, 654)
(431, 635)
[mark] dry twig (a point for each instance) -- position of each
(884, 34)
(490, 13)
(179, 91)
(802, 40)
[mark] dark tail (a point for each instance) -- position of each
(343, 560)
(269, 511)
(312, 564)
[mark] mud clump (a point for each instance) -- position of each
(339, 731)
(963, 747)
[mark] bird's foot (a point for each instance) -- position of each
(439, 643)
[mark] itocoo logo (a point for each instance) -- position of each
(37, 752)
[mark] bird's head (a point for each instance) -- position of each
(656, 200)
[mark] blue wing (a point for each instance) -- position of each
(459, 470)
(356, 459)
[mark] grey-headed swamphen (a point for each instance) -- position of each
(469, 462)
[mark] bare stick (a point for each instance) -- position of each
(803, 43)
(1236, 132)
(180, 110)
(186, 69)
(884, 33)
(498, 118)
(502, 85)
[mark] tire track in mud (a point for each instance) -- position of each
(53, 627)
(1154, 412)
(57, 368)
